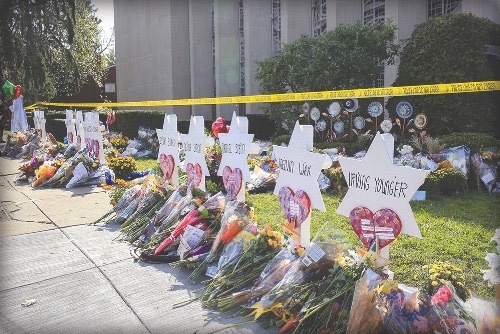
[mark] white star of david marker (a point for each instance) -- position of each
(169, 138)
(299, 169)
(375, 183)
(235, 147)
(194, 145)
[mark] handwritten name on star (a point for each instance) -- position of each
(233, 148)
(192, 147)
(380, 185)
(303, 168)
(170, 142)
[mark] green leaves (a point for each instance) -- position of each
(347, 57)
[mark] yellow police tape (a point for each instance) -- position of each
(448, 88)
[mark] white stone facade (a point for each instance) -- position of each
(174, 49)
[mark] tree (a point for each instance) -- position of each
(350, 56)
(49, 47)
(451, 48)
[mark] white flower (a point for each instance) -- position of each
(493, 260)
(491, 276)
(356, 256)
(496, 237)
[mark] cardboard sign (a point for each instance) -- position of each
(194, 144)
(70, 127)
(235, 145)
(168, 153)
(297, 182)
(93, 136)
(376, 184)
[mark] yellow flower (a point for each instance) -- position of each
(434, 283)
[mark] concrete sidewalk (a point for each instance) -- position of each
(80, 279)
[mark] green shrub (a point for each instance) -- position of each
(458, 59)
(445, 181)
(475, 141)
(281, 139)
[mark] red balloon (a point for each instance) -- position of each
(17, 91)
(219, 126)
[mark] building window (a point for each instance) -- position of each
(109, 87)
(276, 26)
(373, 11)
(441, 7)
(242, 47)
(318, 17)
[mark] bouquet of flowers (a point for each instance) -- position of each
(43, 173)
(405, 312)
(153, 191)
(126, 204)
(235, 217)
(200, 218)
(241, 263)
(325, 273)
(271, 275)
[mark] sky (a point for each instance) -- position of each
(105, 13)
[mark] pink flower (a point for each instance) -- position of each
(442, 296)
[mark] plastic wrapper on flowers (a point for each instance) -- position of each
(485, 166)
(419, 161)
(241, 263)
(404, 311)
(201, 218)
(271, 275)
(127, 202)
(458, 157)
(316, 292)
(262, 181)
(235, 217)
(153, 191)
(364, 317)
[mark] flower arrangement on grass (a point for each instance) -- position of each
(436, 272)
(119, 142)
(122, 166)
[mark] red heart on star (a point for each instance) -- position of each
(295, 206)
(232, 179)
(194, 174)
(384, 224)
(167, 165)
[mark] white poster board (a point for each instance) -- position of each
(93, 136)
(235, 146)
(168, 153)
(297, 184)
(70, 127)
(194, 144)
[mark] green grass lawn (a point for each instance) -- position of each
(455, 230)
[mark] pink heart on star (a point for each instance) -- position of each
(232, 179)
(194, 174)
(295, 206)
(384, 224)
(167, 165)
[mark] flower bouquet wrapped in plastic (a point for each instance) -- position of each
(43, 173)
(234, 219)
(406, 312)
(313, 282)
(127, 202)
(200, 218)
(243, 270)
(364, 317)
(153, 191)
